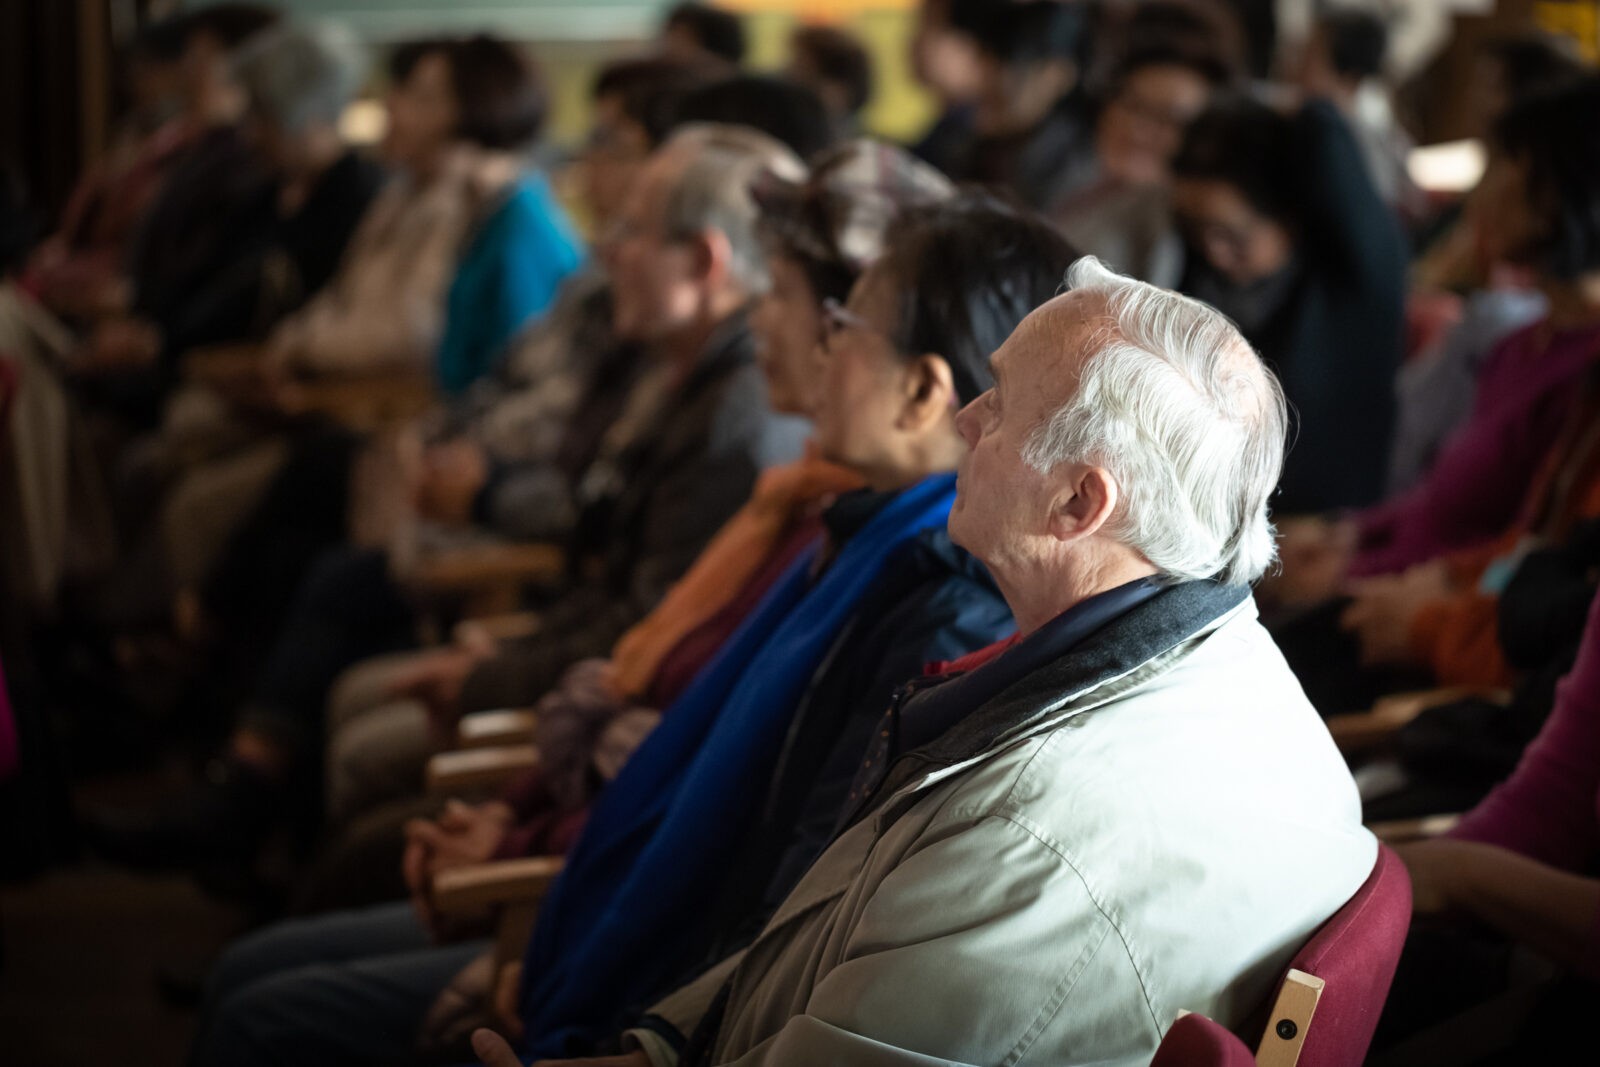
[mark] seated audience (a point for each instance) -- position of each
(711, 817)
(503, 442)
(684, 263)
(815, 662)
(375, 751)
(1286, 236)
(700, 33)
(210, 459)
(1539, 212)
(838, 68)
(1116, 485)
(1344, 63)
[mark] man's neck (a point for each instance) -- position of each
(1045, 592)
(684, 349)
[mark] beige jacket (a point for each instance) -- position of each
(1164, 840)
(385, 306)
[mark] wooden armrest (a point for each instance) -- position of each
(223, 365)
(508, 626)
(479, 769)
(467, 569)
(464, 891)
(1367, 729)
(1400, 831)
(364, 402)
(497, 729)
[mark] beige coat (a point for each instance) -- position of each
(1162, 841)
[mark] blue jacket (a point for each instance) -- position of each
(508, 273)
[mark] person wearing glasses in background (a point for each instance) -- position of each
(1287, 236)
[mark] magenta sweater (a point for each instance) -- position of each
(1478, 482)
(1549, 809)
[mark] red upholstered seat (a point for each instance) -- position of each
(1328, 1003)
(1195, 1041)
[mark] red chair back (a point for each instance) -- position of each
(1328, 1003)
(1355, 953)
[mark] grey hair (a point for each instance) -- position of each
(1175, 404)
(712, 191)
(302, 73)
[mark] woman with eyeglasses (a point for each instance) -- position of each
(1285, 234)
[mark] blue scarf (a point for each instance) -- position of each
(610, 933)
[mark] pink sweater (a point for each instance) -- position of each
(1481, 476)
(1549, 809)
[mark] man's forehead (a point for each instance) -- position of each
(1050, 341)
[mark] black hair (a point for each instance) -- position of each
(650, 90)
(161, 41)
(971, 269)
(1248, 145)
(718, 32)
(500, 94)
(1210, 66)
(1357, 41)
(230, 24)
(838, 58)
(1020, 33)
(776, 106)
(1535, 62)
(1204, 37)
(828, 279)
(1555, 135)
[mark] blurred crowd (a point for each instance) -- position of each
(434, 537)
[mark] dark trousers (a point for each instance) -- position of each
(345, 610)
(303, 513)
(340, 989)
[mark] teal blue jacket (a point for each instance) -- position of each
(509, 273)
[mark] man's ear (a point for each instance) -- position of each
(929, 393)
(1085, 501)
(713, 255)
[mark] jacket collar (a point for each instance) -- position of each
(1131, 647)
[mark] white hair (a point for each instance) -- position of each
(299, 73)
(712, 191)
(1175, 404)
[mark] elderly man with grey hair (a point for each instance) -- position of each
(298, 79)
(1127, 811)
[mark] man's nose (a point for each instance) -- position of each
(967, 423)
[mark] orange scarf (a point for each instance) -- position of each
(782, 495)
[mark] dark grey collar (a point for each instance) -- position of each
(1134, 638)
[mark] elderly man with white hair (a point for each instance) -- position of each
(1126, 811)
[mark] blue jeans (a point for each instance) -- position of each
(347, 988)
